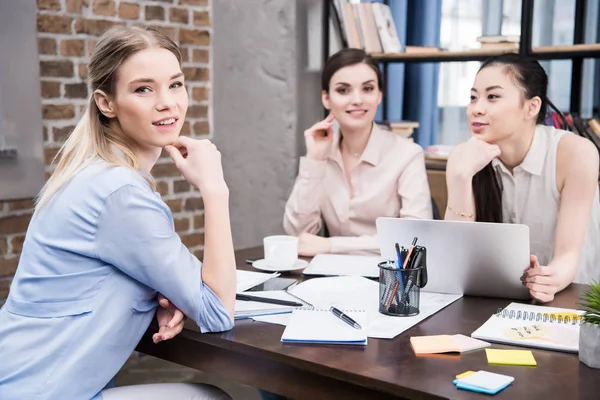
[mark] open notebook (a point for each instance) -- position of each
(533, 326)
(321, 326)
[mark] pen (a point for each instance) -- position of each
(338, 313)
(399, 274)
(246, 297)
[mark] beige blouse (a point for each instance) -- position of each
(530, 196)
(388, 181)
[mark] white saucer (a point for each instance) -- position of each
(262, 265)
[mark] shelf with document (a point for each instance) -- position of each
(370, 26)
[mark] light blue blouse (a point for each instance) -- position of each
(86, 286)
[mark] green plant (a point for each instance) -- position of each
(590, 302)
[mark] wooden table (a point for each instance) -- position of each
(253, 354)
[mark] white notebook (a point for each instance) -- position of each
(322, 326)
(534, 326)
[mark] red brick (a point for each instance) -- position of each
(62, 68)
(14, 224)
(82, 71)
(61, 134)
(200, 56)
(194, 36)
(72, 47)
(181, 186)
(201, 18)
(105, 7)
(49, 154)
(193, 204)
(162, 188)
(186, 128)
(50, 89)
(4, 287)
(46, 46)
(76, 90)
(199, 221)
(16, 244)
(75, 6)
(182, 224)
(192, 239)
(3, 246)
(53, 5)
(155, 13)
(54, 23)
(197, 111)
(165, 170)
(93, 26)
(200, 93)
(174, 205)
(8, 266)
(194, 2)
(201, 128)
(185, 54)
(199, 254)
(170, 32)
(58, 111)
(91, 45)
(129, 11)
(180, 15)
(196, 74)
(20, 205)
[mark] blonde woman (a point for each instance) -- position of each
(101, 243)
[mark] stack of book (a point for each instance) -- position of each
(368, 26)
(402, 128)
(499, 42)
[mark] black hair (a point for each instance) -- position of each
(531, 77)
(347, 57)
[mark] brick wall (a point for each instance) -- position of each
(67, 31)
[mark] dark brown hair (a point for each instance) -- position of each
(345, 58)
(529, 75)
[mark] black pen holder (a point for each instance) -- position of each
(400, 288)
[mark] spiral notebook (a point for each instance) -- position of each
(528, 325)
(322, 326)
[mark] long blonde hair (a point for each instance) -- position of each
(93, 137)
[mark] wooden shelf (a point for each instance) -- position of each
(542, 53)
(566, 52)
(437, 56)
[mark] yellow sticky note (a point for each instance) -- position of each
(510, 357)
(467, 373)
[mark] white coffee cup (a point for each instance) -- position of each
(281, 251)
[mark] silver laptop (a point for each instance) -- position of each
(471, 258)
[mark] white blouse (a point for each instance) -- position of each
(530, 196)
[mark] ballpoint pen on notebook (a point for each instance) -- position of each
(246, 297)
(338, 313)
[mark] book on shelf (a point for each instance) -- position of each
(500, 45)
(499, 38)
(367, 26)
(402, 128)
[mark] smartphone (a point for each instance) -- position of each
(274, 284)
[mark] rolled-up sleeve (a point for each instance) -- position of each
(136, 235)
(302, 210)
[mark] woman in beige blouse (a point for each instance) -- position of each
(352, 175)
(515, 170)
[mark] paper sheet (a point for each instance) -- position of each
(343, 265)
(248, 279)
(353, 292)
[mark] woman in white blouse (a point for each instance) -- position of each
(352, 175)
(515, 170)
